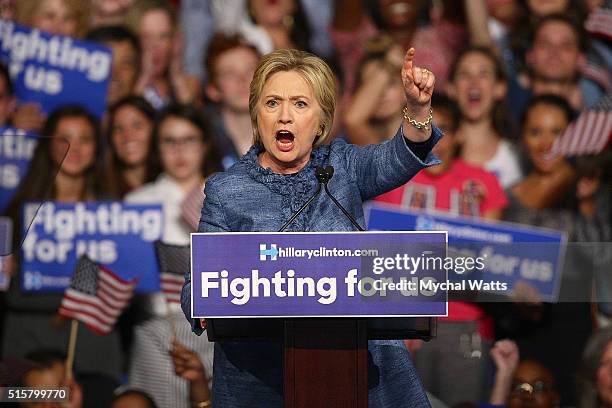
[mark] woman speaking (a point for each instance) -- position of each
(292, 101)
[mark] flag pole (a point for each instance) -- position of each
(71, 348)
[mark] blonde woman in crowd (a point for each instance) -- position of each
(65, 17)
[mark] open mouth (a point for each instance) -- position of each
(474, 96)
(284, 140)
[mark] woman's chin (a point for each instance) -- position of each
(475, 115)
(73, 171)
(546, 167)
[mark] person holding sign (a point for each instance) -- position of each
(60, 17)
(64, 169)
(292, 101)
(64, 17)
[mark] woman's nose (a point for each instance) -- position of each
(285, 114)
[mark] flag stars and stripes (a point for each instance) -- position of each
(174, 263)
(590, 133)
(96, 296)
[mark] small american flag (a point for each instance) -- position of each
(192, 206)
(590, 133)
(96, 296)
(174, 262)
(599, 22)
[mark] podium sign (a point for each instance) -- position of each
(303, 274)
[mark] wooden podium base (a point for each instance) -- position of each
(325, 359)
(326, 363)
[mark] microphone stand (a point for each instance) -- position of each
(330, 172)
(323, 174)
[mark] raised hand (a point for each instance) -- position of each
(178, 47)
(418, 86)
(147, 73)
(505, 355)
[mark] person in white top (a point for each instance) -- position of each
(479, 86)
(187, 155)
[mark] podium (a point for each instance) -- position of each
(241, 285)
(325, 359)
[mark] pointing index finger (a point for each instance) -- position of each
(408, 59)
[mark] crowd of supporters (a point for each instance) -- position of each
(511, 77)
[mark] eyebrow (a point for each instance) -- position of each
(290, 98)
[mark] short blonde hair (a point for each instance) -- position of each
(136, 12)
(314, 71)
(26, 9)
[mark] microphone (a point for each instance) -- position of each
(323, 174)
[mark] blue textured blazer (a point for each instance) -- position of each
(248, 197)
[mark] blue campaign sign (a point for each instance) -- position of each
(55, 70)
(510, 252)
(117, 235)
(332, 274)
(16, 149)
